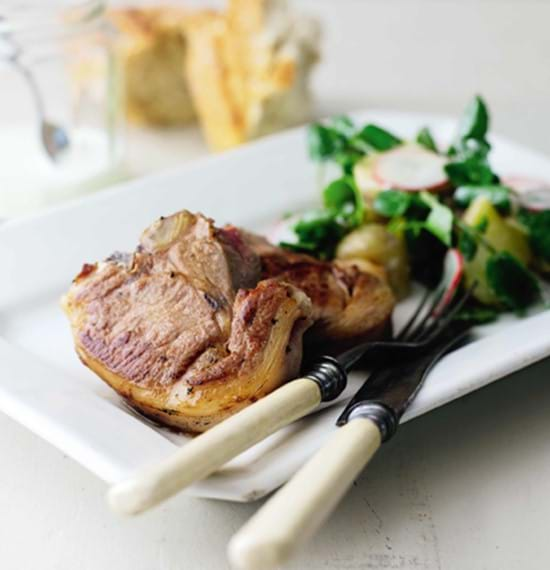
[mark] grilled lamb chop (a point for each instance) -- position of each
(199, 322)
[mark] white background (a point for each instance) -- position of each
(464, 488)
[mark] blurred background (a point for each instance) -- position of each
(144, 86)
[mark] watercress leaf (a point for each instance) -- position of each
(343, 124)
(467, 244)
(301, 247)
(391, 203)
(426, 254)
(513, 284)
(469, 152)
(377, 138)
(538, 228)
(470, 171)
(482, 225)
(498, 195)
(343, 199)
(323, 142)
(318, 232)
(425, 139)
(474, 123)
(477, 315)
(440, 219)
(347, 160)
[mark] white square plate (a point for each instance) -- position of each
(46, 388)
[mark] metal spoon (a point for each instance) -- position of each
(54, 138)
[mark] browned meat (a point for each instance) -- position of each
(199, 321)
(349, 305)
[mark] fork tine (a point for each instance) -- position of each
(403, 332)
(418, 330)
(447, 315)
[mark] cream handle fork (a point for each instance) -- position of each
(297, 511)
(209, 451)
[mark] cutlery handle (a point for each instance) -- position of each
(295, 512)
(206, 453)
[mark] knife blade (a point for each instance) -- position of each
(389, 390)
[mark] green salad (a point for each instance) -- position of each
(398, 206)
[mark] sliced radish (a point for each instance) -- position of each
(532, 193)
(453, 271)
(535, 200)
(409, 167)
(524, 183)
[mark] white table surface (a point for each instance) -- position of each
(466, 487)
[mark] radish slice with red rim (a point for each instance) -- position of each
(533, 194)
(410, 167)
(523, 184)
(453, 271)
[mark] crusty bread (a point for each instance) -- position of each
(152, 46)
(244, 71)
(248, 69)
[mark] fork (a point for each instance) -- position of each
(325, 381)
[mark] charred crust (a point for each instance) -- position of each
(87, 269)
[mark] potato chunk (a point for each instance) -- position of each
(500, 233)
(374, 243)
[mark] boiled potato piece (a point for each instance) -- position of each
(503, 235)
(365, 266)
(374, 243)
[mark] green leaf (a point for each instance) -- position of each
(391, 203)
(474, 123)
(482, 225)
(347, 159)
(477, 315)
(425, 139)
(342, 198)
(469, 165)
(467, 244)
(318, 232)
(538, 227)
(513, 284)
(498, 195)
(343, 124)
(324, 142)
(440, 219)
(378, 138)
(300, 247)
(473, 170)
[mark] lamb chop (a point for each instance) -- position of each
(201, 321)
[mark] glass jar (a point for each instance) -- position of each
(60, 102)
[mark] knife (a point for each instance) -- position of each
(295, 513)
